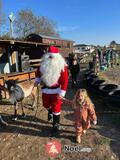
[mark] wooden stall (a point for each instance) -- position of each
(18, 59)
(20, 56)
(20, 77)
(23, 76)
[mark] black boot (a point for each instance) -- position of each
(50, 115)
(56, 121)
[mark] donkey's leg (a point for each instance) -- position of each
(34, 102)
(15, 112)
(22, 107)
(35, 95)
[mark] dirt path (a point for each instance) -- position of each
(26, 138)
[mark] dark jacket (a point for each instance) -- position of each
(74, 69)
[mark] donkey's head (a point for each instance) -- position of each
(15, 92)
(10, 85)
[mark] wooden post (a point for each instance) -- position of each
(17, 66)
(9, 56)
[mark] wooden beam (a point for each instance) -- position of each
(34, 60)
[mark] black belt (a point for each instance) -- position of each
(46, 87)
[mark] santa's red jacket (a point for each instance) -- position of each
(59, 87)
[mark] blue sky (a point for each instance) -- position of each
(84, 21)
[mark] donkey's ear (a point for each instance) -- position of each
(16, 80)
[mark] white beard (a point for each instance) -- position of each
(51, 68)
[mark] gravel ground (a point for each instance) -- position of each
(25, 139)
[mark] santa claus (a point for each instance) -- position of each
(53, 75)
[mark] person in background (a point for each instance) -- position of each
(74, 70)
(84, 112)
(53, 76)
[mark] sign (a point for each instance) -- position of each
(55, 42)
(48, 41)
(53, 148)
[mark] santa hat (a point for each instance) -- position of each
(53, 50)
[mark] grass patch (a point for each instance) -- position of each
(103, 141)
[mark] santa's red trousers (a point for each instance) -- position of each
(52, 101)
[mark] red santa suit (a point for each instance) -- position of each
(53, 73)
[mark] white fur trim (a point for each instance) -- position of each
(51, 91)
(38, 80)
(62, 93)
(53, 53)
(56, 113)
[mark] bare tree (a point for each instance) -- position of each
(46, 27)
(28, 23)
(5, 35)
(24, 23)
